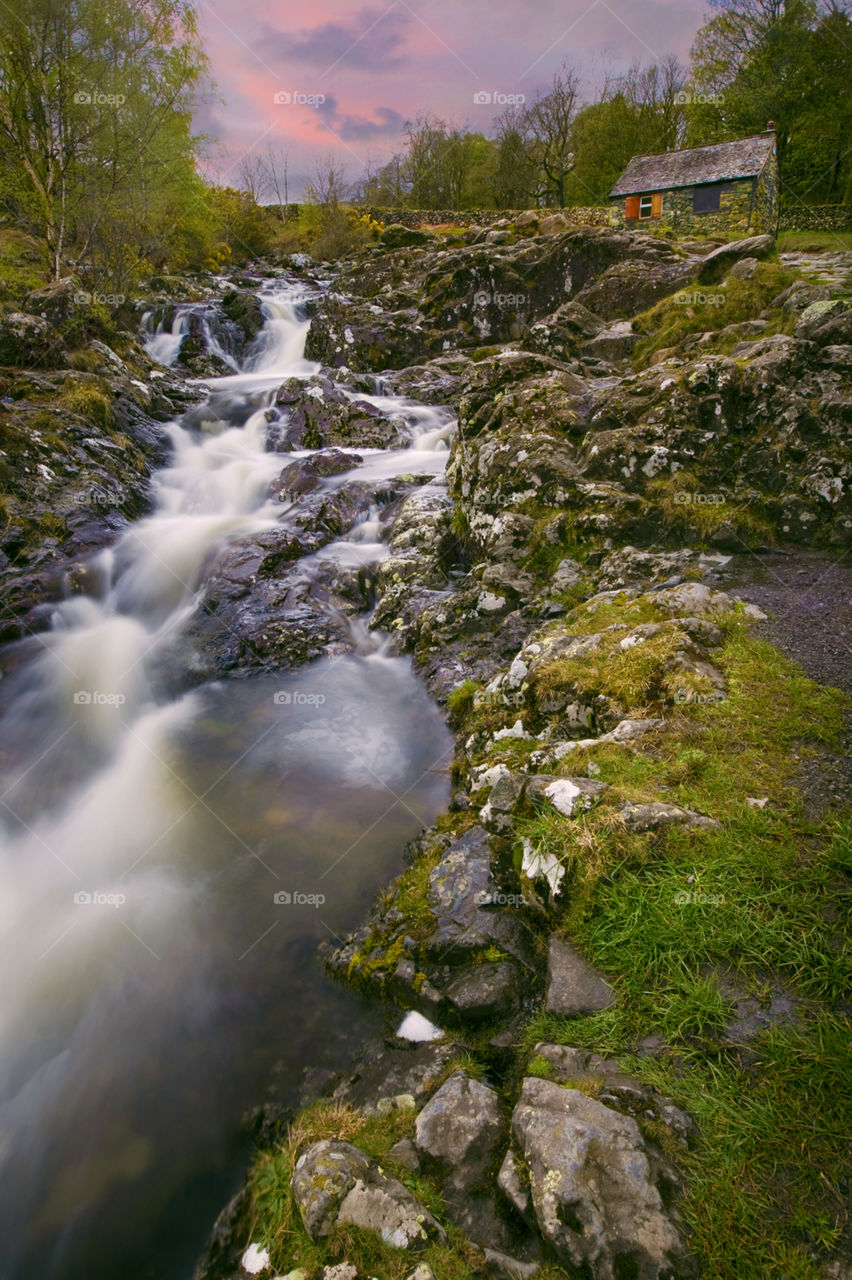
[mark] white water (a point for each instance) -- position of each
(178, 820)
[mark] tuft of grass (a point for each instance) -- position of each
(90, 401)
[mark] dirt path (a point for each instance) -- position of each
(808, 598)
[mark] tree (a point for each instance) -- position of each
(328, 186)
(790, 63)
(95, 110)
(550, 121)
(515, 173)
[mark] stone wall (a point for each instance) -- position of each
(577, 217)
(820, 217)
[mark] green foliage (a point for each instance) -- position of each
(790, 63)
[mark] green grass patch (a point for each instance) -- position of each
(814, 241)
(671, 320)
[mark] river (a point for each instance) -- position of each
(170, 861)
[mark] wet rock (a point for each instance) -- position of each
(573, 985)
(463, 897)
(336, 1182)
(386, 1071)
(307, 474)
(484, 992)
(595, 1185)
(243, 308)
(317, 412)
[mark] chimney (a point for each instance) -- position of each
(770, 126)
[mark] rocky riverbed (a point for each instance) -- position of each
(627, 916)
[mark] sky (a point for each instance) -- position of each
(339, 78)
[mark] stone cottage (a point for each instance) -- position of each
(729, 188)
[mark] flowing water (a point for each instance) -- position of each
(169, 864)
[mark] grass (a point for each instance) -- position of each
(697, 520)
(758, 900)
(23, 266)
(814, 241)
(670, 321)
(89, 400)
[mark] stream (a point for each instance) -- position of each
(170, 861)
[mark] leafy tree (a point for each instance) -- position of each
(788, 62)
(95, 111)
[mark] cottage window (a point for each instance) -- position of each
(646, 204)
(706, 199)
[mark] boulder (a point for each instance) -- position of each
(597, 1188)
(460, 1128)
(718, 263)
(573, 985)
(615, 343)
(528, 220)
(57, 303)
(463, 897)
(29, 340)
(336, 1182)
(554, 224)
(243, 308)
(816, 317)
(397, 236)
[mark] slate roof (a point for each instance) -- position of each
(718, 163)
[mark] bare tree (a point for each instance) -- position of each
(253, 176)
(550, 119)
(278, 164)
(328, 185)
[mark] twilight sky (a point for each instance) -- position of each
(347, 74)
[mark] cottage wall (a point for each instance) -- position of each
(748, 206)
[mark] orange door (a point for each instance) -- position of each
(657, 204)
(631, 207)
